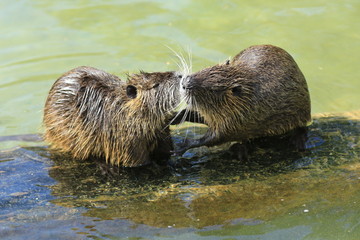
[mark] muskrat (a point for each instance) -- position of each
(260, 92)
(91, 113)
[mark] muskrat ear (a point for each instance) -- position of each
(236, 91)
(131, 91)
(227, 62)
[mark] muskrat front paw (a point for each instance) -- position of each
(239, 151)
(299, 138)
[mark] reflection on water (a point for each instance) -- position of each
(210, 194)
(50, 38)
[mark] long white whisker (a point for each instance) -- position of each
(177, 114)
(184, 66)
(189, 58)
(182, 63)
(197, 114)
(187, 129)
(185, 115)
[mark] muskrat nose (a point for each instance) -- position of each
(186, 83)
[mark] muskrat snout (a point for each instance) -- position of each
(187, 83)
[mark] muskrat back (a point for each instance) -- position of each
(91, 113)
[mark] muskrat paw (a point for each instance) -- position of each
(239, 151)
(299, 138)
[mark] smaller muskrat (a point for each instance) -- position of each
(260, 92)
(91, 113)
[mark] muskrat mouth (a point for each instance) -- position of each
(186, 83)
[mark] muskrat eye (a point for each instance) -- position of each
(236, 91)
(180, 76)
(156, 85)
(131, 91)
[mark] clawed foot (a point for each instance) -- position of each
(239, 151)
(299, 138)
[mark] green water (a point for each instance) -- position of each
(40, 40)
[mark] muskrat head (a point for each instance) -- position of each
(156, 92)
(219, 92)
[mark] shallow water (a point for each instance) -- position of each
(40, 40)
(209, 195)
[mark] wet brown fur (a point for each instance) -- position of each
(88, 113)
(260, 92)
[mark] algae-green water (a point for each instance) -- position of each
(313, 196)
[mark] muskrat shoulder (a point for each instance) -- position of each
(260, 92)
(91, 113)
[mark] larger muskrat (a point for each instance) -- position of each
(260, 92)
(91, 113)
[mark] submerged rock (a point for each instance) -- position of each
(211, 187)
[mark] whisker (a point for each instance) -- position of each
(177, 114)
(184, 67)
(183, 100)
(187, 129)
(189, 58)
(185, 115)
(180, 57)
(197, 115)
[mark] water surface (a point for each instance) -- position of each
(41, 197)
